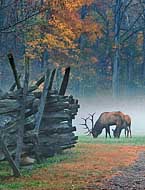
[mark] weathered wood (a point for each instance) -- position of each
(51, 126)
(40, 113)
(68, 146)
(58, 130)
(33, 109)
(37, 84)
(52, 96)
(51, 79)
(12, 105)
(64, 82)
(58, 106)
(55, 138)
(40, 81)
(9, 158)
(12, 126)
(53, 121)
(55, 118)
(14, 95)
(22, 102)
(51, 142)
(9, 103)
(46, 142)
(31, 112)
(12, 88)
(37, 94)
(42, 102)
(13, 66)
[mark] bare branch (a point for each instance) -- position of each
(127, 5)
(124, 11)
(133, 24)
(132, 33)
(39, 10)
(102, 15)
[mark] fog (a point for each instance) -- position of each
(133, 107)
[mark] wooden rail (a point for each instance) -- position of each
(41, 121)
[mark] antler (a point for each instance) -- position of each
(86, 125)
(92, 118)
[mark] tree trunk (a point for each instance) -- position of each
(143, 77)
(130, 72)
(115, 80)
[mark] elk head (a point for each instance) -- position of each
(116, 132)
(97, 130)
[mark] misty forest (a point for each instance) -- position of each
(72, 94)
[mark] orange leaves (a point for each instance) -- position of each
(77, 4)
(60, 28)
(62, 32)
(69, 5)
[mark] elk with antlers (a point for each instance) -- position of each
(106, 120)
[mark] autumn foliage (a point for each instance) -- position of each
(59, 28)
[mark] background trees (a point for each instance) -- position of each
(103, 41)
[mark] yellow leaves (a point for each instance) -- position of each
(69, 4)
(92, 29)
(62, 29)
(51, 41)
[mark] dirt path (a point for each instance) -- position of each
(132, 178)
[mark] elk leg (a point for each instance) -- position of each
(118, 130)
(125, 132)
(130, 131)
(108, 131)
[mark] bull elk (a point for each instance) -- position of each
(106, 120)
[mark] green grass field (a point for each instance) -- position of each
(138, 140)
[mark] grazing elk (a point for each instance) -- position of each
(105, 120)
(126, 125)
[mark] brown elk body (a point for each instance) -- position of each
(105, 120)
(126, 125)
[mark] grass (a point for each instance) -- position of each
(87, 164)
(67, 156)
(5, 171)
(138, 140)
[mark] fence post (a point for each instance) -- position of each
(22, 100)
